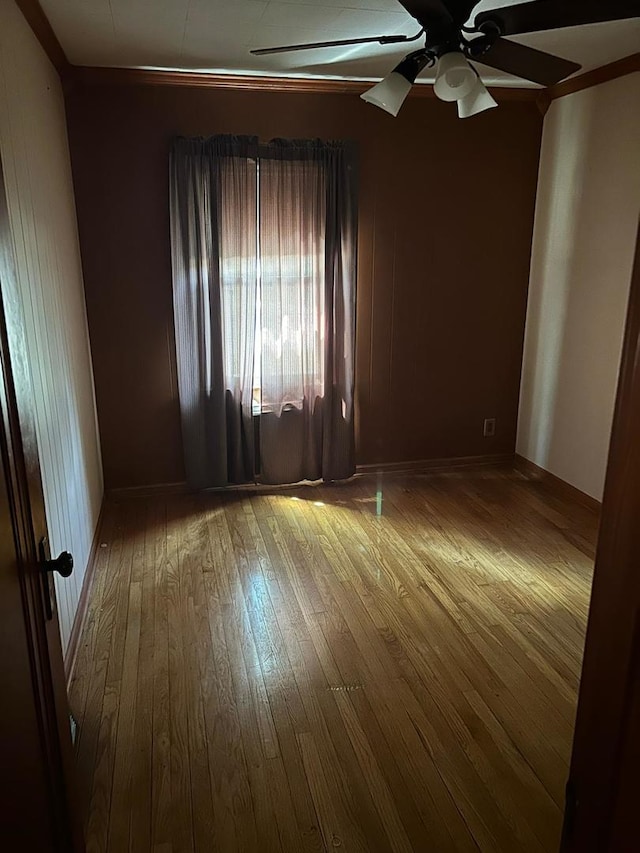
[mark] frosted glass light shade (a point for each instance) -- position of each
(388, 94)
(455, 78)
(476, 101)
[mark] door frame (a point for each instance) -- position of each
(26, 503)
(603, 781)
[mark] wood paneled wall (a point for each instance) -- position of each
(446, 213)
(37, 171)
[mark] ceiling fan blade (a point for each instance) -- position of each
(262, 51)
(553, 14)
(527, 62)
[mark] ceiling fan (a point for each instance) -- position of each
(450, 41)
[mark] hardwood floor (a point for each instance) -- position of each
(388, 664)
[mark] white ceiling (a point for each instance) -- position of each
(216, 35)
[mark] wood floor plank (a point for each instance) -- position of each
(109, 661)
(87, 688)
(161, 832)
(196, 649)
(259, 740)
(287, 712)
(120, 811)
(388, 664)
(141, 767)
(180, 813)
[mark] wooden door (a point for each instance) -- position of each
(36, 787)
(604, 784)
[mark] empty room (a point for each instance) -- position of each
(320, 353)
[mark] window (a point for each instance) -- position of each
(281, 284)
(263, 239)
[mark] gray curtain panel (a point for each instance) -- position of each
(264, 263)
(213, 185)
(307, 229)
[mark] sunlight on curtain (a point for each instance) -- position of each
(292, 226)
(238, 264)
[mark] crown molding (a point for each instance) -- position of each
(91, 75)
(43, 31)
(619, 68)
(94, 76)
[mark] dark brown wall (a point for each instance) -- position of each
(446, 213)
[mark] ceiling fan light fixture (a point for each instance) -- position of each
(455, 78)
(478, 100)
(389, 94)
